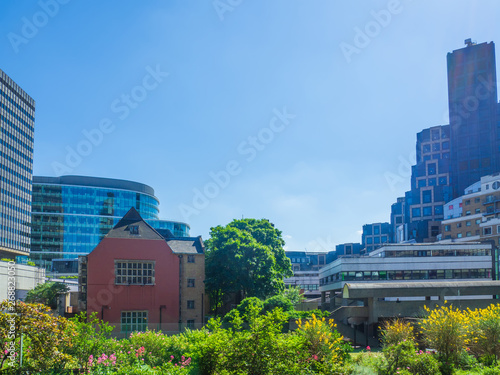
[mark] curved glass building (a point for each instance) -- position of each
(72, 214)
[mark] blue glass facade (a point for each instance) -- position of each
(474, 120)
(17, 118)
(430, 183)
(71, 214)
(453, 157)
(375, 235)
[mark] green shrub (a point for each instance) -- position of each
(491, 371)
(404, 356)
(278, 301)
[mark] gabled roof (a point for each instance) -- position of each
(132, 225)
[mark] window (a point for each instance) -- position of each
(498, 229)
(487, 231)
(443, 181)
(369, 240)
(436, 147)
(190, 283)
(445, 145)
(459, 225)
(427, 196)
(134, 321)
(376, 230)
(191, 258)
(478, 210)
(467, 202)
(426, 148)
(134, 229)
(427, 211)
(478, 221)
(134, 272)
(447, 228)
(190, 323)
(468, 234)
(422, 183)
(376, 239)
(432, 182)
(459, 235)
(477, 200)
(467, 213)
(415, 212)
(434, 230)
(438, 210)
(384, 239)
(431, 169)
(467, 223)
(190, 304)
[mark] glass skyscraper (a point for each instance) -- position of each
(17, 121)
(453, 157)
(72, 214)
(473, 107)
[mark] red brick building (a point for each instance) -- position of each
(139, 278)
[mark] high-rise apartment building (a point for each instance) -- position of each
(17, 121)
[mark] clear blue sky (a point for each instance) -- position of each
(318, 176)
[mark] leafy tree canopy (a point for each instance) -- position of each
(46, 293)
(245, 258)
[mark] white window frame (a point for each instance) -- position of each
(134, 320)
(134, 272)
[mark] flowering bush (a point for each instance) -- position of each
(324, 344)
(446, 329)
(46, 338)
(484, 331)
(396, 331)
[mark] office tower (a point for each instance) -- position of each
(17, 120)
(430, 184)
(452, 157)
(473, 107)
(72, 214)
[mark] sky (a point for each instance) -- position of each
(301, 112)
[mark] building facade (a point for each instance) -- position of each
(473, 107)
(410, 263)
(376, 235)
(305, 267)
(430, 184)
(72, 214)
(475, 216)
(453, 157)
(17, 121)
(138, 279)
(398, 220)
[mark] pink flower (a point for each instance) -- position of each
(368, 348)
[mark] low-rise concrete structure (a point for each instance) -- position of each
(26, 278)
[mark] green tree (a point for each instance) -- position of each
(46, 293)
(46, 339)
(245, 259)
